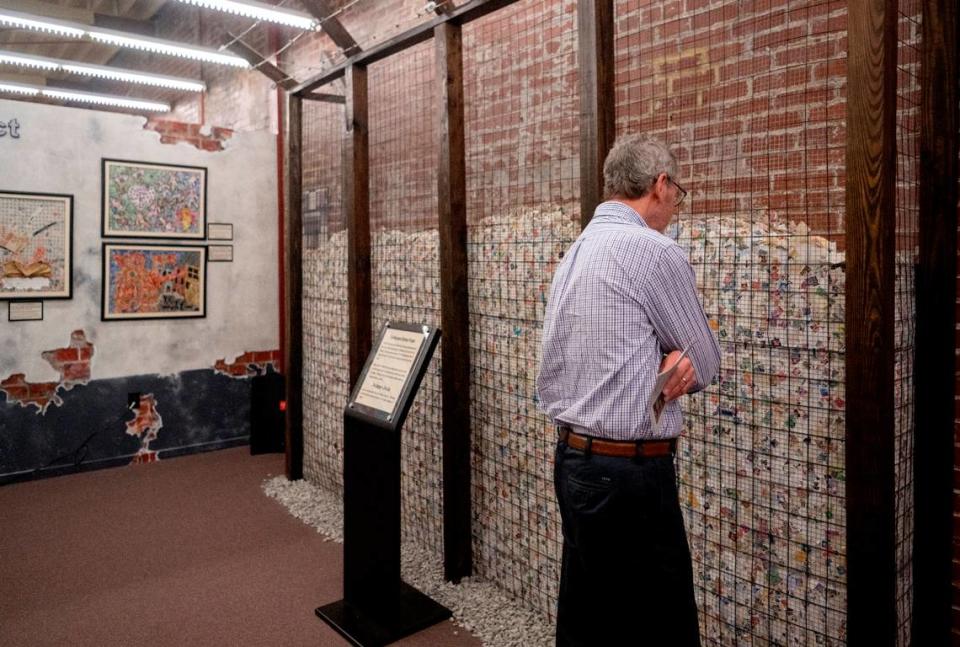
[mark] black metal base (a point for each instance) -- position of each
(410, 613)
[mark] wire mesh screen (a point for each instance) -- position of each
(404, 260)
(752, 97)
(522, 149)
(907, 256)
(325, 333)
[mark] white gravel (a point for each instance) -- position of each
(478, 605)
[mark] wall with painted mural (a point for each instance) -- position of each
(130, 374)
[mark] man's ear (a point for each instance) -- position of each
(661, 185)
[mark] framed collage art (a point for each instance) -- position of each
(36, 245)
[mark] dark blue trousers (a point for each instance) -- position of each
(626, 576)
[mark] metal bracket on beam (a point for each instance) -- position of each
(267, 68)
(441, 8)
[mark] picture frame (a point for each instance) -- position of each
(153, 281)
(152, 200)
(219, 231)
(36, 245)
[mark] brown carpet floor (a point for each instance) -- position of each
(186, 551)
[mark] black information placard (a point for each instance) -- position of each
(220, 253)
(25, 311)
(377, 606)
(219, 231)
(392, 374)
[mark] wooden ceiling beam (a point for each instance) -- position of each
(322, 11)
(325, 97)
(264, 66)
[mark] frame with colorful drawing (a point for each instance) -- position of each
(147, 281)
(148, 200)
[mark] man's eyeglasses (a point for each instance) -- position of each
(681, 192)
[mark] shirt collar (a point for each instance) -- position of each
(614, 211)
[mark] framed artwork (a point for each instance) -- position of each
(145, 281)
(145, 200)
(36, 245)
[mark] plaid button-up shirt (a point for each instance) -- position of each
(623, 296)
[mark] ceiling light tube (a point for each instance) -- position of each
(25, 60)
(84, 97)
(119, 39)
(143, 78)
(101, 71)
(105, 100)
(259, 11)
(159, 46)
(39, 23)
(19, 88)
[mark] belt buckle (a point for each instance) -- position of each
(638, 451)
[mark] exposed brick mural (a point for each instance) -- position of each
(249, 364)
(146, 426)
(73, 363)
(39, 394)
(197, 135)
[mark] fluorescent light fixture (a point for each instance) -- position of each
(169, 48)
(130, 76)
(105, 100)
(25, 60)
(37, 23)
(19, 88)
(259, 11)
(119, 39)
(84, 97)
(101, 71)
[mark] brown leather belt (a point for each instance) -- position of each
(620, 448)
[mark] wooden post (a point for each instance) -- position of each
(871, 223)
(597, 107)
(934, 377)
(356, 205)
(455, 320)
(293, 287)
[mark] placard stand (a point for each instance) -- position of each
(377, 606)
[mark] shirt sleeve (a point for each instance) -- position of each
(674, 310)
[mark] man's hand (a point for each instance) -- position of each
(682, 380)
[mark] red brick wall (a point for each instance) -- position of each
(751, 94)
(403, 151)
(198, 136)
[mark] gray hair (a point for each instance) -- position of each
(634, 164)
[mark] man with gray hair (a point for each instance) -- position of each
(623, 306)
